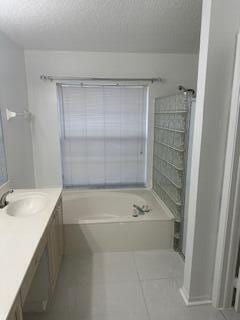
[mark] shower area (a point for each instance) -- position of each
(104, 141)
(172, 132)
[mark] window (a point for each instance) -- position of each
(103, 135)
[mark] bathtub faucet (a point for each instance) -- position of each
(140, 210)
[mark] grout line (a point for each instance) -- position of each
(140, 283)
(224, 316)
(172, 278)
(135, 264)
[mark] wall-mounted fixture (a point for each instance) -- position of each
(186, 90)
(11, 114)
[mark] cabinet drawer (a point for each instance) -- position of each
(32, 268)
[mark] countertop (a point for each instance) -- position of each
(19, 238)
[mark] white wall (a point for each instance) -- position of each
(13, 95)
(176, 69)
(213, 97)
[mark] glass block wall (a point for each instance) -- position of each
(171, 126)
(3, 165)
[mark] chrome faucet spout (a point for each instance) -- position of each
(139, 209)
(3, 199)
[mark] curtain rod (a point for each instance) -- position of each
(54, 78)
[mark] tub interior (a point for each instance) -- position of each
(106, 206)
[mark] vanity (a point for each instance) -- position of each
(31, 250)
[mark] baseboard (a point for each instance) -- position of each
(197, 301)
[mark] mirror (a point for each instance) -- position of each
(3, 162)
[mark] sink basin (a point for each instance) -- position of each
(26, 206)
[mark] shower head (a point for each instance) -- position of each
(185, 90)
(182, 88)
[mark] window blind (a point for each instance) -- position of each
(103, 135)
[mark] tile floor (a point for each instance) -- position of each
(124, 286)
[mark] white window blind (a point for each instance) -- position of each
(103, 135)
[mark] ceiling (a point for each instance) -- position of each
(164, 26)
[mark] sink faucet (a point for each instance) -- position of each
(3, 199)
(140, 210)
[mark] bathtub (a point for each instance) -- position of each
(102, 220)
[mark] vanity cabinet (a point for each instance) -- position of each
(55, 244)
(40, 280)
(32, 287)
(16, 312)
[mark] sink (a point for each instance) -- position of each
(26, 206)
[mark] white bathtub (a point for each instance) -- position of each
(103, 221)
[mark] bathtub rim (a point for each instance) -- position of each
(167, 212)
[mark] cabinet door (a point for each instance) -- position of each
(55, 244)
(53, 255)
(16, 313)
(60, 228)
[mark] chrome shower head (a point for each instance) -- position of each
(185, 90)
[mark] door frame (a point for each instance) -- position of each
(228, 231)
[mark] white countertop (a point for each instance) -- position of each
(19, 238)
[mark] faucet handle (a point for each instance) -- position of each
(146, 208)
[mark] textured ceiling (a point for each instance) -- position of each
(166, 26)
